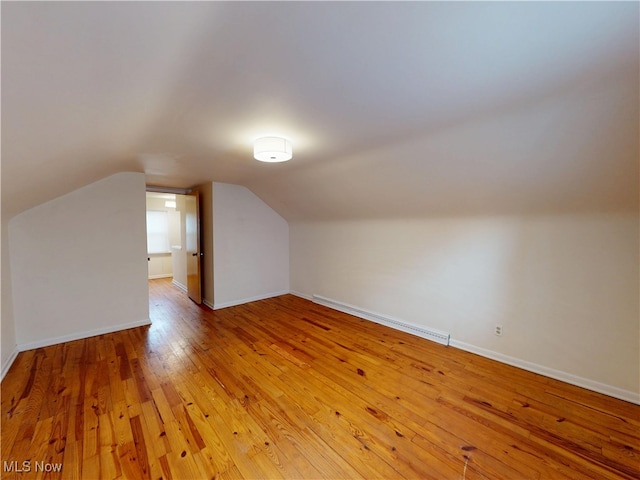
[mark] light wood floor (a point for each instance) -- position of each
(284, 388)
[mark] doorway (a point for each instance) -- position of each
(173, 250)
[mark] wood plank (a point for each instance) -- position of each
(285, 388)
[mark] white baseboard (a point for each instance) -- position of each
(301, 295)
(81, 335)
(7, 365)
(162, 275)
(424, 332)
(610, 390)
(233, 303)
(179, 285)
(593, 385)
(207, 303)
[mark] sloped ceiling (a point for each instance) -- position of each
(394, 109)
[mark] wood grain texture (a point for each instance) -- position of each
(285, 388)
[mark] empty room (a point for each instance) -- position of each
(320, 240)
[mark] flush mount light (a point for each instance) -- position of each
(272, 149)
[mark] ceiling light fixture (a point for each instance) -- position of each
(272, 149)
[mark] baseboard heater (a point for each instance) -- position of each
(428, 333)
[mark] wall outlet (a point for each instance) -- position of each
(498, 330)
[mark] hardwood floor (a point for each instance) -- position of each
(285, 388)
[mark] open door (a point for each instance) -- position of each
(192, 220)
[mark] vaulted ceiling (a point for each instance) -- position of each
(394, 109)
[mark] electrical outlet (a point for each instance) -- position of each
(498, 330)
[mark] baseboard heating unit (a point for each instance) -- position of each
(428, 333)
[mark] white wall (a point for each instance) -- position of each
(564, 287)
(160, 265)
(251, 247)
(179, 256)
(79, 263)
(8, 347)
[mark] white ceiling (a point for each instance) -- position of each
(394, 109)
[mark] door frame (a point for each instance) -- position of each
(196, 294)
